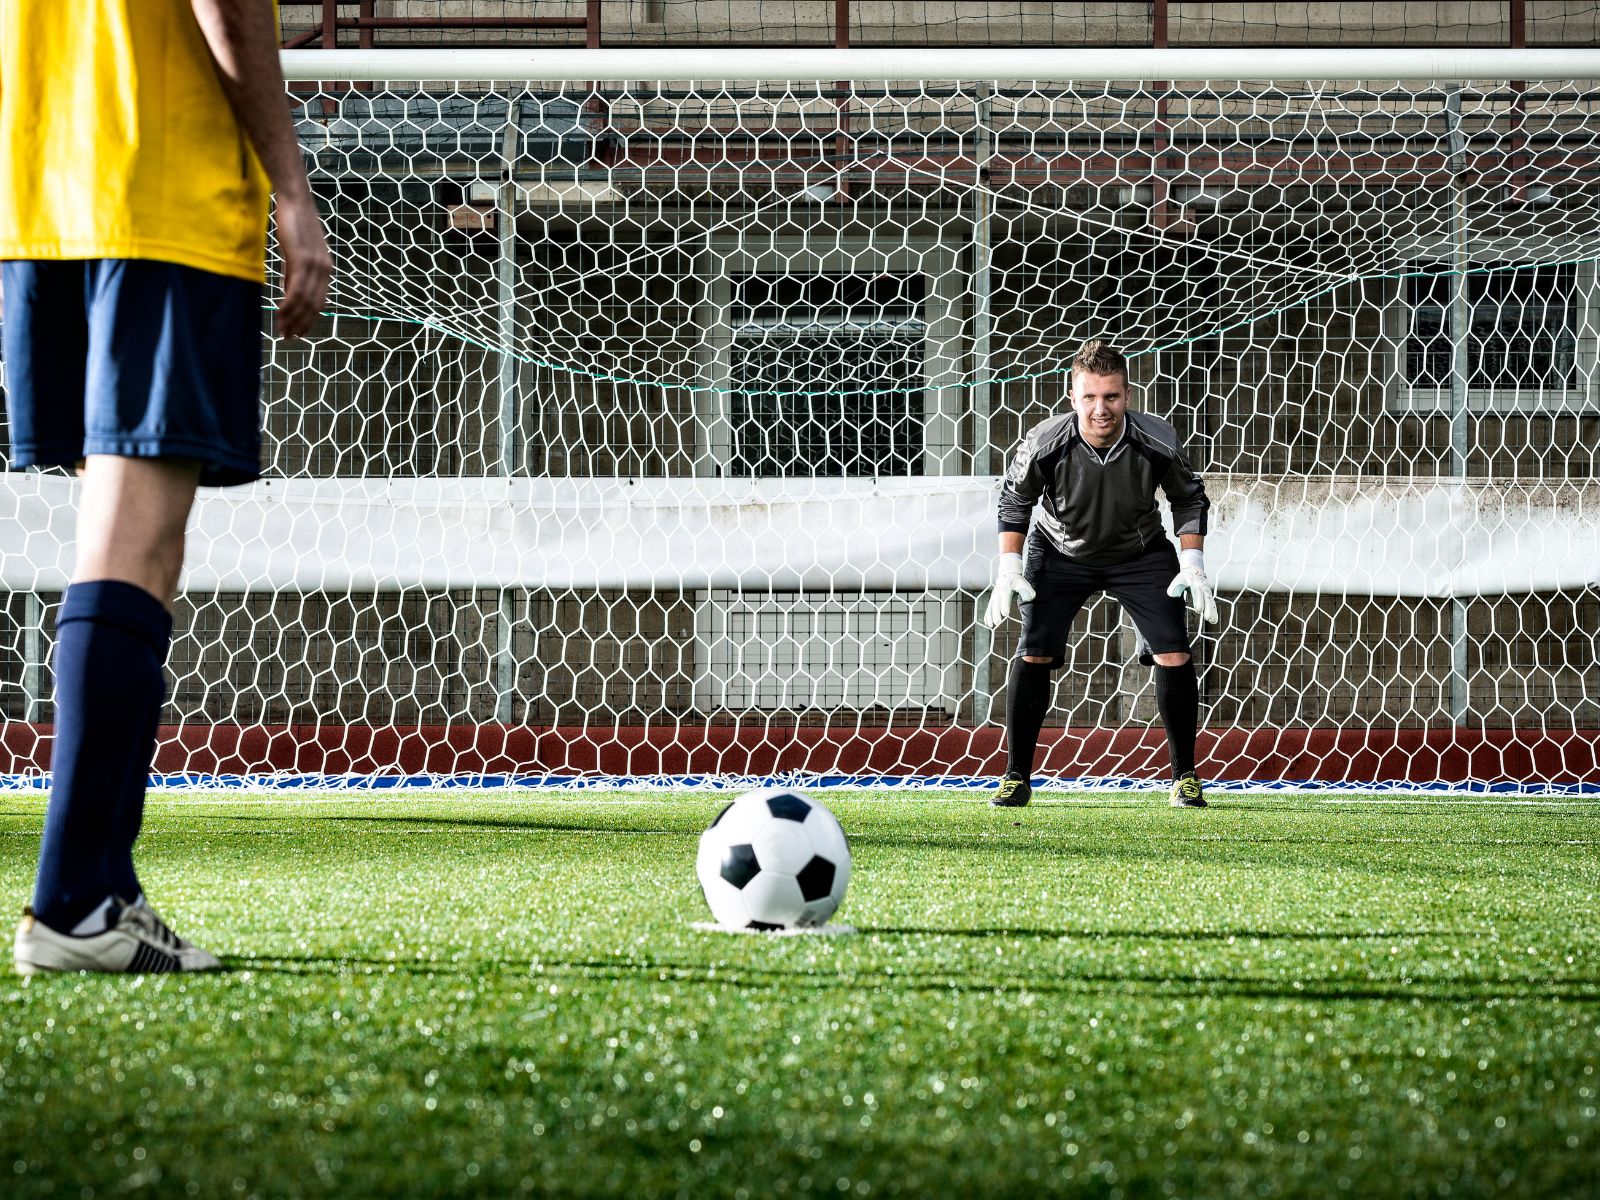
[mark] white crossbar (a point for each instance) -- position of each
(912, 63)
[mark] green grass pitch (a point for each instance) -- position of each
(501, 994)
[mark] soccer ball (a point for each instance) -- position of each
(773, 859)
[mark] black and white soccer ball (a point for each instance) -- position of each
(774, 859)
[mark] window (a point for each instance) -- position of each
(894, 653)
(830, 357)
(1522, 336)
(827, 374)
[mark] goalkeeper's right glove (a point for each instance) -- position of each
(1191, 579)
(1008, 582)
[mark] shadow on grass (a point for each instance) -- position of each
(1191, 844)
(1149, 985)
(1377, 856)
(1160, 935)
(398, 824)
(1153, 985)
(339, 964)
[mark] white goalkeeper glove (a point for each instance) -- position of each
(1008, 582)
(1192, 579)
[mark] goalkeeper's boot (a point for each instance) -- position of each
(135, 941)
(1014, 791)
(1188, 792)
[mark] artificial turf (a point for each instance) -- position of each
(502, 993)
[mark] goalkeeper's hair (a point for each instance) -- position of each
(1099, 357)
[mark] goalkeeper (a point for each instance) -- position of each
(1089, 477)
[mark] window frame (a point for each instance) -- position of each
(726, 681)
(785, 343)
(1583, 397)
(761, 253)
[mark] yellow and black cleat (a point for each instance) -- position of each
(1014, 792)
(1188, 792)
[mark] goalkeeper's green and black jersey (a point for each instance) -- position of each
(1099, 507)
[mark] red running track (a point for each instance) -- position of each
(1397, 755)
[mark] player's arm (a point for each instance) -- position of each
(1186, 493)
(242, 36)
(1019, 492)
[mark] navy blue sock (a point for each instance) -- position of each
(111, 645)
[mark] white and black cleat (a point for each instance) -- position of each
(136, 941)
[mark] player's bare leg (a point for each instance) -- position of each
(131, 519)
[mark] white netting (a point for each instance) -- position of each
(655, 427)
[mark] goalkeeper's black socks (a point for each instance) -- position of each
(1178, 698)
(1027, 702)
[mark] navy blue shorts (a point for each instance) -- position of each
(135, 358)
(1062, 585)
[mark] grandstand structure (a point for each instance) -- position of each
(654, 424)
(906, 24)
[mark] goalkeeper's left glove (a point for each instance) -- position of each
(1192, 579)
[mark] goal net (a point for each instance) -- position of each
(654, 427)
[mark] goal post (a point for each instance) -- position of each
(653, 429)
(1118, 65)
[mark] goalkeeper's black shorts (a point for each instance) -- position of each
(1063, 585)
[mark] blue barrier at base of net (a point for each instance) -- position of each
(194, 781)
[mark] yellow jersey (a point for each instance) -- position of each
(116, 140)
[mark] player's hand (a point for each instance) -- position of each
(1191, 580)
(307, 265)
(1008, 582)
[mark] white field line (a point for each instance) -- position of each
(232, 798)
(1464, 801)
(534, 798)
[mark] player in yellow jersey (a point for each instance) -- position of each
(140, 141)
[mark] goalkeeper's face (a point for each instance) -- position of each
(1101, 401)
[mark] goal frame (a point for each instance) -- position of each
(457, 531)
(915, 63)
